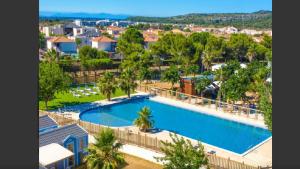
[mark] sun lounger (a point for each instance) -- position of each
(87, 94)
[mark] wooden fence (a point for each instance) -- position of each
(240, 110)
(144, 140)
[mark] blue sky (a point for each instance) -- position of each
(154, 7)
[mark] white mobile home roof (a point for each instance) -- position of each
(53, 153)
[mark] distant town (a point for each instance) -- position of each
(62, 34)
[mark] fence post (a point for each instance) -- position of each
(156, 143)
(228, 160)
(127, 135)
(248, 112)
(145, 140)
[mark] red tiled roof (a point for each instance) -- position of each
(103, 39)
(114, 28)
(60, 39)
(150, 38)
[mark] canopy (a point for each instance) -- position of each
(52, 153)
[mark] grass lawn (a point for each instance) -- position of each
(133, 162)
(67, 98)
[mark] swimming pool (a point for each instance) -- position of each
(228, 135)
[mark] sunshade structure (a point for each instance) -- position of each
(52, 153)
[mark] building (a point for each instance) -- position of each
(228, 30)
(46, 123)
(195, 29)
(63, 147)
(68, 28)
(149, 38)
(53, 30)
(78, 22)
(86, 37)
(114, 30)
(188, 86)
(91, 31)
(104, 43)
(62, 45)
(251, 32)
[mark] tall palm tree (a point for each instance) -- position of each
(107, 85)
(144, 121)
(127, 81)
(104, 153)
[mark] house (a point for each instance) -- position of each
(68, 28)
(114, 30)
(54, 156)
(53, 30)
(63, 147)
(196, 29)
(46, 123)
(153, 31)
(149, 38)
(104, 43)
(228, 30)
(251, 32)
(62, 45)
(91, 31)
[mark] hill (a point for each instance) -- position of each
(259, 20)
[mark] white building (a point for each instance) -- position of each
(228, 30)
(53, 30)
(82, 30)
(78, 22)
(104, 43)
(62, 45)
(251, 32)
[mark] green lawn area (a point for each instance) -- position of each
(67, 98)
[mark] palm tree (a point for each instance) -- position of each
(107, 85)
(127, 81)
(207, 60)
(104, 153)
(171, 75)
(51, 55)
(143, 121)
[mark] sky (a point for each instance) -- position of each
(154, 7)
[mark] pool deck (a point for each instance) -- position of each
(260, 155)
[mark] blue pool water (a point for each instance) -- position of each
(229, 135)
